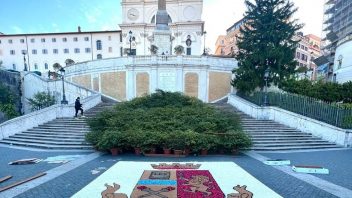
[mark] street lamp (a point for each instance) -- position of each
(130, 33)
(204, 33)
(266, 78)
(62, 72)
(24, 60)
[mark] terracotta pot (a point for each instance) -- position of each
(152, 151)
(114, 151)
(137, 151)
(235, 152)
(187, 151)
(204, 152)
(178, 152)
(167, 151)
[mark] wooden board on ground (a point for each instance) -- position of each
(22, 181)
(5, 178)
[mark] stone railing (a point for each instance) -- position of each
(308, 125)
(121, 63)
(34, 84)
(42, 116)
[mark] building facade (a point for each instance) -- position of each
(38, 52)
(343, 61)
(336, 26)
(185, 22)
(226, 45)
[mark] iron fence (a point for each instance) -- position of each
(329, 113)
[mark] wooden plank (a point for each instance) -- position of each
(22, 181)
(5, 178)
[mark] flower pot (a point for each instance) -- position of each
(152, 151)
(137, 151)
(178, 152)
(204, 152)
(235, 152)
(114, 151)
(167, 151)
(187, 151)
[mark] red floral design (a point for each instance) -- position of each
(170, 188)
(197, 184)
(141, 188)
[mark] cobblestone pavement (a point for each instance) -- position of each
(337, 161)
(20, 172)
(71, 182)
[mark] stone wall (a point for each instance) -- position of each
(219, 85)
(13, 81)
(191, 84)
(142, 84)
(113, 84)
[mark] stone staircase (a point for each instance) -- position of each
(63, 133)
(268, 135)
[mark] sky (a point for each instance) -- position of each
(43, 16)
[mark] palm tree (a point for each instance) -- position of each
(69, 62)
(57, 66)
(179, 49)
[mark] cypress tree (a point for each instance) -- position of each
(266, 41)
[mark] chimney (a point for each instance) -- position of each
(79, 28)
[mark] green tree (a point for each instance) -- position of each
(41, 100)
(69, 62)
(7, 99)
(266, 41)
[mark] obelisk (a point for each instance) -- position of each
(162, 33)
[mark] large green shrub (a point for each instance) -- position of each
(164, 119)
(41, 100)
(7, 100)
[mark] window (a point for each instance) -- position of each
(99, 45)
(110, 49)
(298, 45)
(34, 51)
(87, 50)
(75, 39)
(306, 48)
(0, 41)
(86, 38)
(189, 51)
(12, 52)
(43, 40)
(14, 66)
(45, 51)
(10, 41)
(99, 56)
(77, 50)
(35, 66)
(46, 66)
(64, 39)
(53, 40)
(22, 40)
(32, 40)
(109, 38)
(298, 55)
(66, 51)
(55, 51)
(302, 47)
(24, 51)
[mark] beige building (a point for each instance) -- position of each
(226, 45)
(307, 50)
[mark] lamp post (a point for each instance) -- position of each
(24, 60)
(63, 101)
(266, 78)
(130, 33)
(204, 34)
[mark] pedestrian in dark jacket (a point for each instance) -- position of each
(78, 106)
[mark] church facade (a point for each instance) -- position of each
(184, 20)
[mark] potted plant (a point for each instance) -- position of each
(204, 143)
(153, 49)
(179, 50)
(135, 139)
(114, 141)
(151, 141)
(190, 138)
(166, 140)
(178, 143)
(233, 141)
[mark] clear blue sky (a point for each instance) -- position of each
(39, 16)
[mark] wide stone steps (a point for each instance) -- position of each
(63, 133)
(268, 135)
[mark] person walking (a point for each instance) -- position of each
(78, 106)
